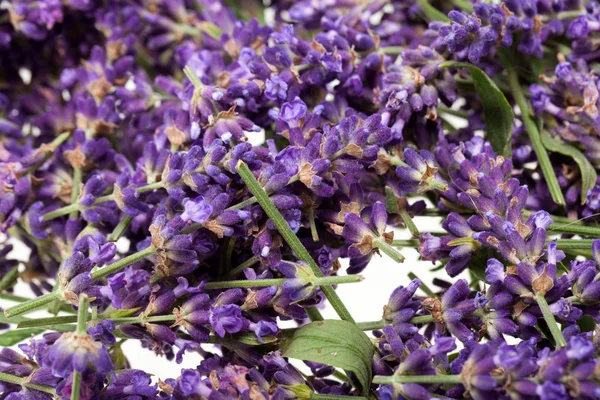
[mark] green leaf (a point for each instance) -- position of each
(335, 343)
(48, 321)
(432, 13)
(588, 173)
(498, 113)
(15, 336)
(586, 324)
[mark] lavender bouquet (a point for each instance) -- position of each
(199, 176)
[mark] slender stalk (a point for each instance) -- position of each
(457, 113)
(142, 319)
(75, 190)
(49, 321)
(76, 207)
(380, 324)
(8, 279)
(565, 15)
(534, 136)
(20, 319)
(32, 304)
(335, 397)
(422, 319)
(390, 380)
(565, 244)
(314, 314)
(392, 50)
(576, 229)
(550, 321)
(320, 281)
(313, 226)
(414, 231)
(406, 243)
(61, 211)
(226, 254)
(17, 380)
(561, 244)
(243, 204)
(122, 263)
(57, 294)
(240, 268)
(120, 228)
(150, 187)
(382, 245)
(82, 315)
(372, 325)
(290, 237)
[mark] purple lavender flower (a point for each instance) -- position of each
(72, 352)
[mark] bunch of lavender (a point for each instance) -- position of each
(182, 175)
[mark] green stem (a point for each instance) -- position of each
(240, 268)
(390, 380)
(575, 229)
(61, 211)
(313, 226)
(572, 14)
(82, 315)
(566, 244)
(32, 304)
(450, 111)
(314, 314)
(392, 50)
(534, 136)
(422, 319)
(76, 207)
(49, 321)
(550, 321)
(8, 279)
(76, 385)
(437, 185)
(75, 191)
(142, 319)
(243, 204)
(406, 243)
(150, 187)
(290, 237)
(335, 397)
(380, 324)
(17, 380)
(225, 262)
(372, 325)
(120, 228)
(122, 263)
(464, 5)
(381, 244)
(57, 294)
(320, 281)
(414, 231)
